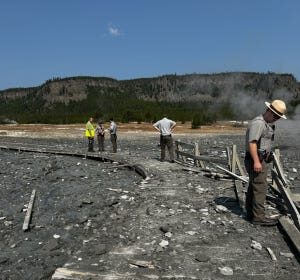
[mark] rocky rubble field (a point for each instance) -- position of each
(97, 217)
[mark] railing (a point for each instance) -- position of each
(189, 153)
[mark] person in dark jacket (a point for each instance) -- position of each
(100, 132)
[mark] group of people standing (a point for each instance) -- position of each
(90, 133)
(259, 138)
(164, 126)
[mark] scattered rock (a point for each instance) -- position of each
(191, 232)
(8, 223)
(148, 211)
(202, 257)
(226, 270)
(100, 249)
(143, 264)
(221, 208)
(168, 234)
(164, 228)
(132, 236)
(86, 201)
(113, 202)
(164, 243)
(287, 255)
(3, 260)
(82, 220)
(51, 245)
(256, 245)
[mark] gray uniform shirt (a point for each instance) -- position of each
(262, 132)
(164, 125)
(113, 128)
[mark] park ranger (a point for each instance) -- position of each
(259, 138)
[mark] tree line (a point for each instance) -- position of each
(104, 103)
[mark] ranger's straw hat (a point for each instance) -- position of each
(278, 107)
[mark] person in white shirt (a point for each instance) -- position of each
(165, 127)
(113, 134)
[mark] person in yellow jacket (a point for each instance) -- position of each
(90, 134)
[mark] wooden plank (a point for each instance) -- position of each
(72, 274)
(295, 197)
(207, 173)
(292, 232)
(243, 179)
(272, 255)
(204, 158)
(95, 156)
(29, 211)
(289, 202)
(185, 145)
(75, 274)
(233, 163)
(273, 185)
(279, 169)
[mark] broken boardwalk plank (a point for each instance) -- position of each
(29, 211)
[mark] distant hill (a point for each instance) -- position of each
(207, 97)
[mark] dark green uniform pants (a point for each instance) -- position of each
(113, 139)
(257, 191)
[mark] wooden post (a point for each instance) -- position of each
(197, 153)
(29, 211)
(233, 164)
(228, 157)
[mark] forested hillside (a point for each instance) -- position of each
(202, 97)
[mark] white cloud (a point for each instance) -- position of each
(113, 31)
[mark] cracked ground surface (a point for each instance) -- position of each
(96, 217)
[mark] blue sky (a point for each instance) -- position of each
(127, 39)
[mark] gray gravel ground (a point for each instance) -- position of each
(92, 216)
